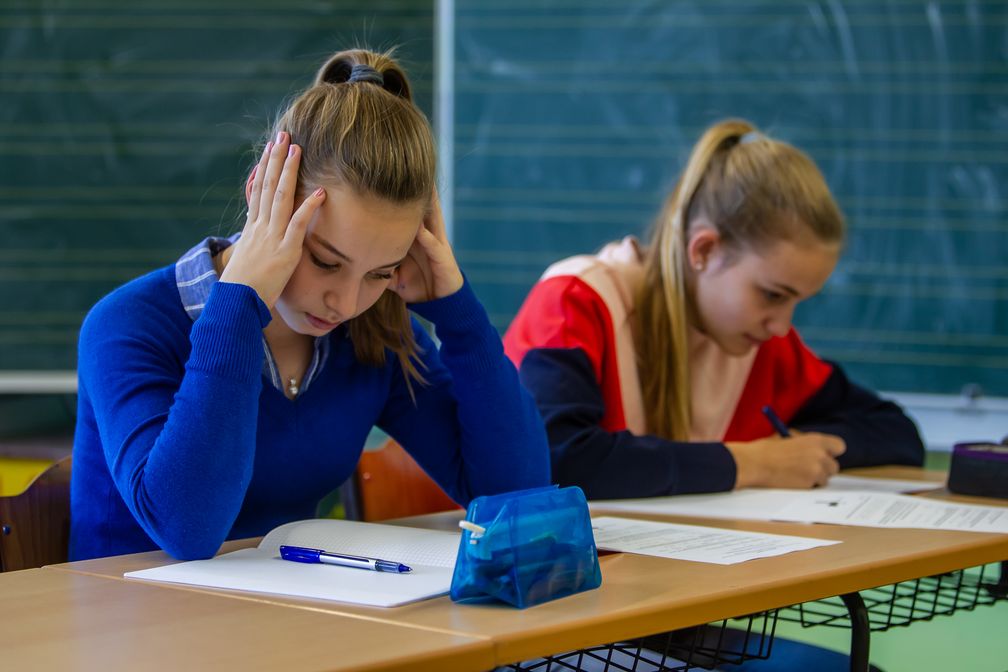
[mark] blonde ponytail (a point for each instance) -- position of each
(753, 190)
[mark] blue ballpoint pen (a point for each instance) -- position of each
(777, 423)
(315, 555)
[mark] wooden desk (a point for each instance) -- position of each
(67, 620)
(642, 595)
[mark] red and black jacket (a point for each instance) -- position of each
(564, 343)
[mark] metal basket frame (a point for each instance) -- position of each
(703, 646)
(900, 604)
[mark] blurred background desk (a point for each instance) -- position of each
(36, 424)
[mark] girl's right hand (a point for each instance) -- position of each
(803, 460)
(269, 249)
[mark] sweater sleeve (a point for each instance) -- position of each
(472, 427)
(179, 444)
(611, 465)
(876, 430)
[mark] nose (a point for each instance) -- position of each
(779, 323)
(341, 299)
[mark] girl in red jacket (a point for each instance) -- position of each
(652, 364)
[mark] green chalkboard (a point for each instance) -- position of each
(126, 133)
(573, 118)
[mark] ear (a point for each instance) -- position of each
(248, 186)
(703, 247)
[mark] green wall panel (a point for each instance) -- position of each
(574, 117)
(126, 132)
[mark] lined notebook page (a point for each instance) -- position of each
(434, 548)
(431, 554)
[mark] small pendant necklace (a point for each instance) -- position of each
(292, 387)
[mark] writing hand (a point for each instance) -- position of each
(429, 270)
(270, 246)
(803, 460)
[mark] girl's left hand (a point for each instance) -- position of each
(429, 270)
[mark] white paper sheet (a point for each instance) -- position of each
(872, 509)
(893, 485)
(843, 507)
(430, 553)
(695, 542)
(750, 504)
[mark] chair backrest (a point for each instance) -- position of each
(389, 483)
(35, 525)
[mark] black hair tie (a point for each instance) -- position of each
(365, 73)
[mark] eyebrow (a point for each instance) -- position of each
(327, 245)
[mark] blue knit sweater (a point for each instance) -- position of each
(179, 444)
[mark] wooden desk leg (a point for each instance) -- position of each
(860, 631)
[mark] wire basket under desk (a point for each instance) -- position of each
(900, 604)
(703, 647)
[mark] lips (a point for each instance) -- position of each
(319, 323)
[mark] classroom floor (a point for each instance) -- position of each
(971, 641)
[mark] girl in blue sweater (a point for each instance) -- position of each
(227, 393)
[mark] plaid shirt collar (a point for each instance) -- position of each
(195, 276)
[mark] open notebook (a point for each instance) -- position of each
(431, 554)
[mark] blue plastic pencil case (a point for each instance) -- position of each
(526, 547)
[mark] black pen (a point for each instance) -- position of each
(777, 423)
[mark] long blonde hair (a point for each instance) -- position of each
(367, 134)
(754, 191)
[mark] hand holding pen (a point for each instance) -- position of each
(787, 460)
(777, 423)
(318, 556)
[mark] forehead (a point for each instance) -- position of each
(370, 230)
(804, 267)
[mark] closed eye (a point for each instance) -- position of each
(321, 264)
(384, 275)
(773, 296)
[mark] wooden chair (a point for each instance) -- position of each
(389, 483)
(35, 525)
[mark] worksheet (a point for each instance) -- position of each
(695, 542)
(892, 485)
(841, 507)
(872, 509)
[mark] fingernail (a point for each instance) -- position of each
(319, 192)
(280, 137)
(290, 150)
(269, 147)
